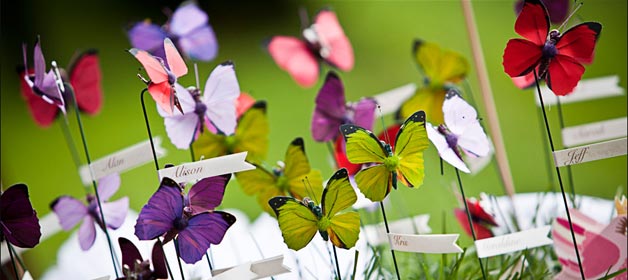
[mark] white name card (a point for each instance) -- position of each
(597, 151)
(376, 234)
(585, 90)
(242, 271)
(425, 243)
(123, 160)
(513, 242)
(390, 101)
(264, 268)
(595, 132)
(192, 171)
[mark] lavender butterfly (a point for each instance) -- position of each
(71, 211)
(215, 109)
(43, 84)
(188, 28)
(190, 218)
(134, 267)
(18, 220)
(331, 110)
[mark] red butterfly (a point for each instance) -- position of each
(324, 40)
(84, 77)
(556, 57)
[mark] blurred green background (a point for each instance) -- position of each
(381, 33)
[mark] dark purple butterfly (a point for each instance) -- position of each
(71, 211)
(18, 220)
(331, 110)
(188, 28)
(135, 267)
(557, 9)
(190, 218)
(43, 84)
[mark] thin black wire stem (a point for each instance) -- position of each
(381, 204)
(337, 265)
(561, 121)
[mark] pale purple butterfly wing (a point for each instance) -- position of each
(115, 212)
(364, 113)
(130, 253)
(462, 120)
(445, 152)
(207, 193)
(39, 64)
(330, 111)
(202, 230)
(162, 209)
(181, 128)
(195, 37)
(108, 185)
(18, 221)
(158, 259)
(220, 95)
(69, 210)
(87, 233)
(149, 37)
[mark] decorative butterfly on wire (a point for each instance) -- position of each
(192, 218)
(405, 162)
(251, 134)
(188, 27)
(72, 211)
(461, 132)
(324, 40)
(332, 110)
(441, 70)
(554, 56)
(135, 267)
(215, 109)
(293, 177)
(299, 220)
(482, 220)
(19, 224)
(163, 75)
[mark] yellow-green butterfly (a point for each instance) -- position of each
(299, 220)
(404, 162)
(440, 69)
(251, 135)
(285, 179)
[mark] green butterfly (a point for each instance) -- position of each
(405, 162)
(251, 135)
(285, 179)
(299, 220)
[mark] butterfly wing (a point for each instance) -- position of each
(345, 230)
(445, 152)
(19, 219)
(330, 111)
(220, 95)
(175, 61)
(338, 196)
(522, 55)
(115, 212)
(196, 38)
(207, 193)
(160, 211)
(130, 253)
(533, 22)
(181, 129)
(39, 63)
(340, 155)
(297, 223)
(252, 133)
(243, 103)
(203, 230)
(331, 35)
(147, 36)
(440, 66)
(154, 68)
(462, 120)
(298, 169)
(293, 56)
(364, 113)
(85, 78)
(427, 99)
(69, 210)
(260, 182)
(87, 233)
(42, 112)
(158, 258)
(410, 143)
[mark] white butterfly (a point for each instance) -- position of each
(461, 132)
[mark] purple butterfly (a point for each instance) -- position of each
(557, 9)
(134, 267)
(190, 218)
(188, 28)
(71, 211)
(331, 110)
(215, 109)
(18, 220)
(43, 84)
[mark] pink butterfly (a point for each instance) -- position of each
(71, 211)
(324, 40)
(602, 247)
(163, 76)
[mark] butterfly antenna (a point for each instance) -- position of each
(304, 18)
(198, 85)
(58, 76)
(310, 190)
(570, 15)
(24, 57)
(142, 78)
(381, 117)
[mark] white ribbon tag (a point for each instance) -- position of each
(597, 151)
(426, 243)
(192, 171)
(122, 160)
(264, 268)
(390, 101)
(242, 271)
(376, 234)
(585, 90)
(594, 132)
(513, 242)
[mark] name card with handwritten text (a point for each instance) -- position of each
(585, 90)
(376, 234)
(260, 269)
(513, 242)
(425, 243)
(192, 171)
(608, 149)
(123, 160)
(390, 101)
(595, 132)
